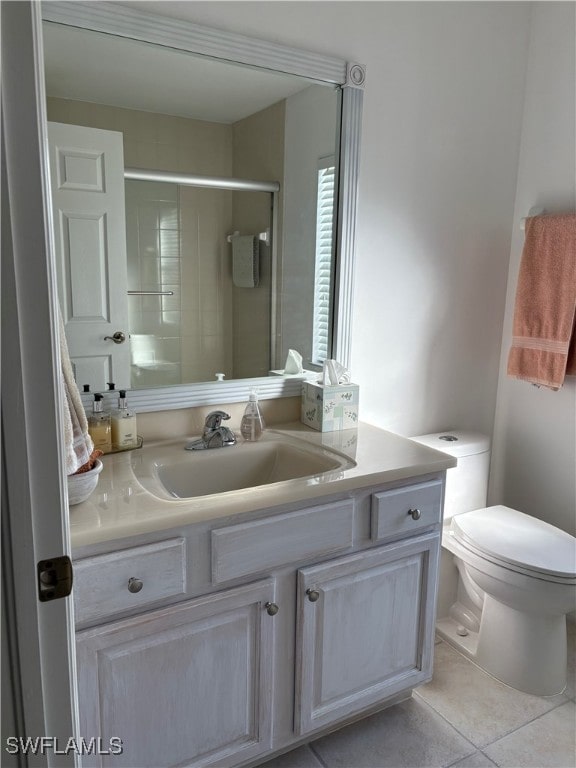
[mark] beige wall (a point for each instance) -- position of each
(161, 142)
(190, 421)
(258, 143)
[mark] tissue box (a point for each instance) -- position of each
(328, 408)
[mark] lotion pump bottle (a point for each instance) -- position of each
(99, 426)
(252, 424)
(123, 425)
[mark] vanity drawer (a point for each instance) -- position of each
(262, 545)
(130, 578)
(406, 509)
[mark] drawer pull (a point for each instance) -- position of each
(415, 513)
(272, 609)
(313, 595)
(135, 585)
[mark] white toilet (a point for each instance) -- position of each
(507, 579)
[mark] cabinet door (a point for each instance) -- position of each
(365, 629)
(189, 685)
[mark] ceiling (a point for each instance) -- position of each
(105, 69)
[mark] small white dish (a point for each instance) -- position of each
(81, 486)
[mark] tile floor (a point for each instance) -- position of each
(462, 719)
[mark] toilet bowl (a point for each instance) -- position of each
(508, 579)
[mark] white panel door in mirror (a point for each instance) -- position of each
(87, 175)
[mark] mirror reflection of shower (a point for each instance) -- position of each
(188, 317)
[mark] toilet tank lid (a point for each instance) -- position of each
(456, 442)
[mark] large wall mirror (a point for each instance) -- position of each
(204, 195)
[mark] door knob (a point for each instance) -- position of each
(271, 609)
(118, 338)
(313, 595)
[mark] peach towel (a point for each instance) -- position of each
(543, 341)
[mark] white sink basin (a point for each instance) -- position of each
(187, 474)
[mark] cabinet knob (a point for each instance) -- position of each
(271, 609)
(415, 514)
(313, 595)
(135, 585)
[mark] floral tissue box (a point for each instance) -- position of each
(329, 408)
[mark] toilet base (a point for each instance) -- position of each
(448, 630)
(525, 651)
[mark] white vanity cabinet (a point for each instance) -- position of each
(256, 633)
(187, 685)
(364, 629)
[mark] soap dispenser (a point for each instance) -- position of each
(252, 424)
(99, 426)
(123, 425)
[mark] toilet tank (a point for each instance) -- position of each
(467, 483)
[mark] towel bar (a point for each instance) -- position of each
(263, 236)
(531, 212)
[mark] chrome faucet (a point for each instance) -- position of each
(214, 434)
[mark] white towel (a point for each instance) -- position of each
(245, 261)
(78, 443)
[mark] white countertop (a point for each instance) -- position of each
(120, 506)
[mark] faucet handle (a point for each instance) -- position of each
(214, 419)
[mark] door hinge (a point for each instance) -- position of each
(54, 578)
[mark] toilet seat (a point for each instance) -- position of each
(518, 542)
